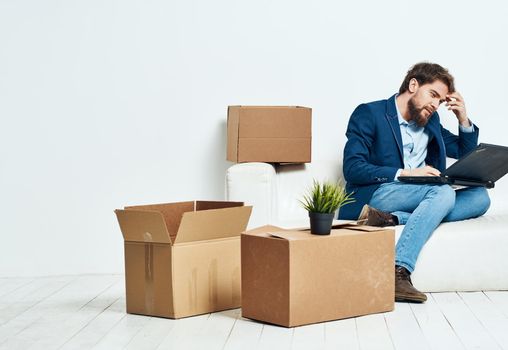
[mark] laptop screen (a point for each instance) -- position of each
(485, 163)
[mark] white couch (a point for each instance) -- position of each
(470, 255)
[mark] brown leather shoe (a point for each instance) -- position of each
(373, 217)
(404, 290)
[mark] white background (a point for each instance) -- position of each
(111, 103)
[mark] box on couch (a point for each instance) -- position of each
(182, 259)
(272, 134)
(292, 278)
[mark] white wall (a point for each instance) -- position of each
(111, 103)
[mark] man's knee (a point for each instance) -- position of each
(445, 195)
(481, 199)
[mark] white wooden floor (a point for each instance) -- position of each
(84, 312)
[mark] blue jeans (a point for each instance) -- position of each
(422, 208)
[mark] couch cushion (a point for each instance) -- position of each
(467, 255)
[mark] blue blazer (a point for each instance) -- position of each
(373, 151)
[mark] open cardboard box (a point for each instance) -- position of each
(292, 277)
(272, 134)
(182, 259)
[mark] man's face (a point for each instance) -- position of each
(426, 100)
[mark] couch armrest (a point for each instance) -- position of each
(254, 184)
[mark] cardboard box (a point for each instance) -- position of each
(182, 259)
(291, 278)
(269, 134)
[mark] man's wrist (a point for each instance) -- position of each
(466, 126)
(405, 172)
(465, 122)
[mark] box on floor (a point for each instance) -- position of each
(292, 278)
(182, 259)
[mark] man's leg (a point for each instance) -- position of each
(470, 203)
(421, 208)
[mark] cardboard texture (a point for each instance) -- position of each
(182, 259)
(291, 278)
(269, 134)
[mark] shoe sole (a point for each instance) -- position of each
(410, 298)
(364, 214)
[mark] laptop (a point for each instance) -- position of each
(483, 166)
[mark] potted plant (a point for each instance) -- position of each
(322, 201)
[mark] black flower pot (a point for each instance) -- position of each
(321, 223)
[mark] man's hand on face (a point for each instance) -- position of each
(423, 171)
(455, 103)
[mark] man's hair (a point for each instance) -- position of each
(426, 73)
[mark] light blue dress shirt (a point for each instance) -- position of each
(415, 141)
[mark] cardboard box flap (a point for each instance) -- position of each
(304, 233)
(343, 223)
(142, 226)
(290, 235)
(296, 225)
(207, 205)
(171, 212)
(263, 230)
(211, 224)
(364, 228)
(186, 206)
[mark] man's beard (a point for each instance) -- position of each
(415, 113)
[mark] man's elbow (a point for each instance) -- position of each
(350, 174)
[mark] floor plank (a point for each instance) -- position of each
(500, 299)
(74, 322)
(53, 320)
(245, 335)
(467, 327)
(373, 333)
(183, 334)
(341, 334)
(492, 319)
(215, 332)
(404, 328)
(26, 296)
(275, 337)
(90, 334)
(88, 312)
(309, 337)
(8, 285)
(435, 327)
(122, 333)
(23, 312)
(152, 334)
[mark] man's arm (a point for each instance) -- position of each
(357, 167)
(458, 146)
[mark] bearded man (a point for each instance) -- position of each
(403, 136)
